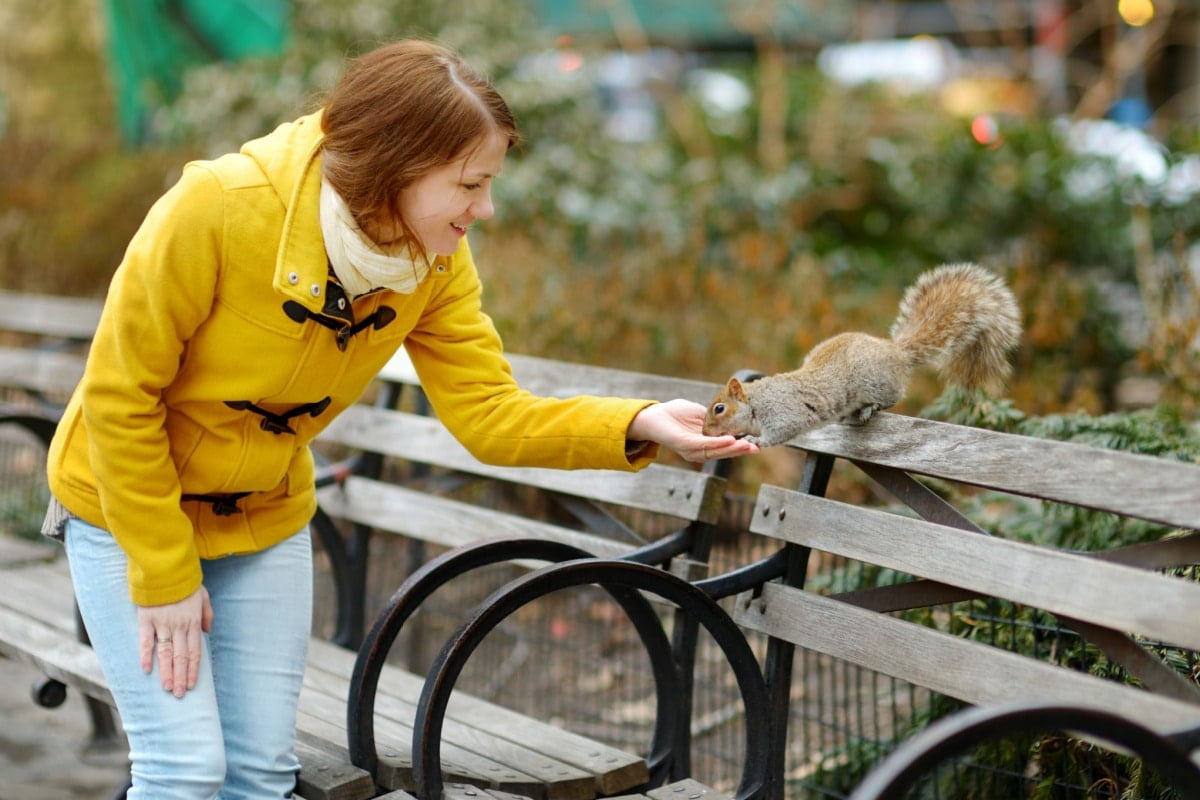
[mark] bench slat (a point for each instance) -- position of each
(47, 649)
(687, 789)
(40, 370)
(1146, 487)
(326, 775)
(1113, 595)
(466, 756)
(459, 763)
(666, 490)
(442, 521)
(971, 671)
(42, 592)
(17, 552)
(49, 315)
(556, 757)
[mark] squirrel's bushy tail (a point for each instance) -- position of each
(962, 319)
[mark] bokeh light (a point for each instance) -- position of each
(1136, 13)
(986, 130)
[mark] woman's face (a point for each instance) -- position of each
(440, 206)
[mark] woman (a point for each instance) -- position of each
(257, 300)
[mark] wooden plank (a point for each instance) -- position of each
(1111, 595)
(1155, 489)
(40, 370)
(328, 776)
(41, 592)
(53, 652)
(326, 689)
(687, 788)
(678, 492)
(971, 671)
(442, 521)
(52, 315)
(466, 791)
(20, 552)
(527, 744)
(459, 763)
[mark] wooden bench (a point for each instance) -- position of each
(931, 576)
(486, 744)
(776, 620)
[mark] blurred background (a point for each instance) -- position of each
(706, 185)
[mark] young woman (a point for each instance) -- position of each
(258, 299)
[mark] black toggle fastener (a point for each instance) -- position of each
(223, 505)
(279, 423)
(382, 317)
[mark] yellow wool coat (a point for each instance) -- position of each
(218, 359)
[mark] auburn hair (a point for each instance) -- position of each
(399, 112)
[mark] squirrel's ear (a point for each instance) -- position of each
(735, 390)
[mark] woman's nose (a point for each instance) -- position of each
(483, 208)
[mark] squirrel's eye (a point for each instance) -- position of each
(719, 408)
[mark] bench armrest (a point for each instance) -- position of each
(625, 581)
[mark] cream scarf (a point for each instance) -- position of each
(360, 264)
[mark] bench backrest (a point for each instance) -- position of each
(44, 341)
(679, 494)
(923, 554)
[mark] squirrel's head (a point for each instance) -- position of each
(729, 412)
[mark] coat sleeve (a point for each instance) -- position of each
(160, 293)
(459, 357)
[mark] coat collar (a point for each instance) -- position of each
(301, 266)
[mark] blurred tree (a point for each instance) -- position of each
(695, 248)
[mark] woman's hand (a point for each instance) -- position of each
(676, 425)
(172, 632)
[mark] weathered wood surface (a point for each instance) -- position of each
(444, 522)
(17, 552)
(667, 490)
(483, 743)
(687, 789)
(971, 671)
(1146, 487)
(1107, 594)
(49, 315)
(1107, 600)
(40, 370)
(327, 774)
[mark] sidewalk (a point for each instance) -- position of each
(43, 750)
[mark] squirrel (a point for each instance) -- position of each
(959, 317)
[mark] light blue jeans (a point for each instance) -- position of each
(233, 735)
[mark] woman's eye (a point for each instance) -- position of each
(470, 187)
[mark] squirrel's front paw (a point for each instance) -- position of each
(860, 416)
(757, 441)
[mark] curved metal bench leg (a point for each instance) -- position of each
(904, 768)
(404, 602)
(619, 578)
